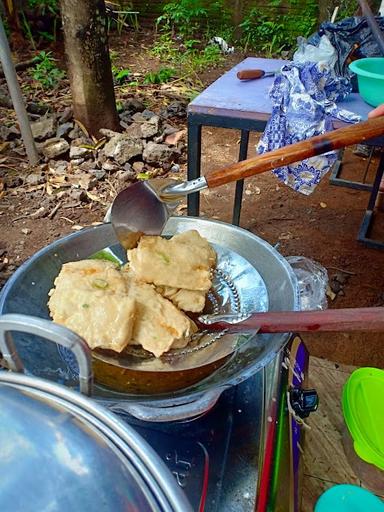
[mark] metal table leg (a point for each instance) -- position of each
(194, 164)
(365, 229)
(341, 182)
(243, 152)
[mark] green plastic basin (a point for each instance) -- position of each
(363, 410)
(370, 79)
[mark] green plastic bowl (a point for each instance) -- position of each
(370, 79)
(363, 410)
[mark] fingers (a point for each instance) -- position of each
(379, 111)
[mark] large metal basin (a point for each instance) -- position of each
(26, 292)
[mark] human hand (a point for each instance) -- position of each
(379, 111)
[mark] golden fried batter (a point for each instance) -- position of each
(184, 261)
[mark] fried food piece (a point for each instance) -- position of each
(93, 275)
(187, 300)
(159, 325)
(184, 261)
(90, 297)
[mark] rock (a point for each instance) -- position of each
(134, 105)
(87, 165)
(66, 115)
(77, 161)
(77, 151)
(26, 231)
(175, 168)
(58, 166)
(158, 153)
(110, 166)
(9, 133)
(124, 176)
(99, 174)
(173, 138)
(151, 127)
(75, 133)
(108, 133)
(35, 178)
(134, 131)
(54, 147)
(174, 109)
(168, 129)
(159, 139)
(123, 147)
(44, 128)
(78, 194)
(138, 166)
(125, 117)
(148, 121)
(64, 129)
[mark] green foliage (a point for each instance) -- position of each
(193, 17)
(270, 33)
(187, 57)
(45, 71)
(159, 77)
(347, 9)
(120, 75)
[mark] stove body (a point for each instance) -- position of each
(244, 454)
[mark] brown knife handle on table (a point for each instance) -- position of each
(250, 74)
(340, 320)
(292, 153)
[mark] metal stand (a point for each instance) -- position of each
(369, 216)
(195, 123)
(341, 182)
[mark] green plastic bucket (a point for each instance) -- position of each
(363, 409)
(370, 79)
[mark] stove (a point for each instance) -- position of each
(244, 454)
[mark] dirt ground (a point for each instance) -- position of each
(323, 227)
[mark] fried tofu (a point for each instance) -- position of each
(187, 300)
(183, 262)
(90, 297)
(159, 325)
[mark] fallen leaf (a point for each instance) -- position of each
(94, 197)
(143, 176)
(77, 227)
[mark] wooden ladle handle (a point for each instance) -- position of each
(296, 152)
(340, 320)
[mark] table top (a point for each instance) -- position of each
(230, 95)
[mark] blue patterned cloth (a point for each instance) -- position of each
(304, 100)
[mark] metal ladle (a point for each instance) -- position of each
(145, 207)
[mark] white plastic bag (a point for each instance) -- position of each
(312, 280)
(324, 53)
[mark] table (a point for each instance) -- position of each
(244, 105)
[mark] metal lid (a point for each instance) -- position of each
(61, 452)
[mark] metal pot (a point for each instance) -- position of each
(27, 290)
(60, 451)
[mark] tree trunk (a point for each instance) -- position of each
(89, 65)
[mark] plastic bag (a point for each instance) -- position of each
(352, 39)
(324, 52)
(312, 281)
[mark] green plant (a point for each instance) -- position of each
(193, 17)
(44, 8)
(159, 77)
(45, 71)
(270, 33)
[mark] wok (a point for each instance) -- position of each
(118, 384)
